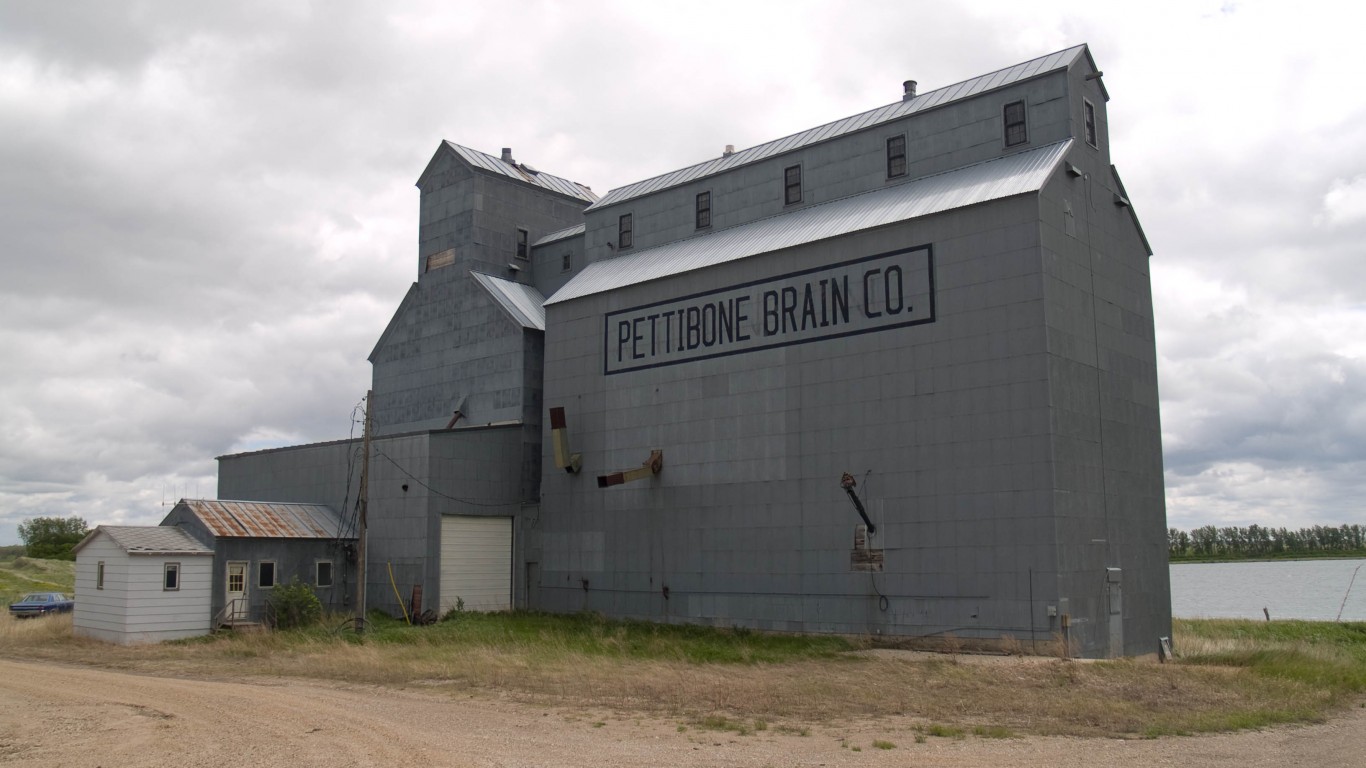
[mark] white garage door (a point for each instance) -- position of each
(476, 563)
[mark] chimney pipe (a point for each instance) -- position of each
(507, 156)
(730, 150)
(909, 88)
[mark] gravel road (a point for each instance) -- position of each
(74, 717)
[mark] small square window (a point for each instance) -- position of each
(566, 262)
(171, 580)
(896, 156)
(324, 578)
(1089, 114)
(99, 575)
(703, 210)
(265, 574)
(523, 243)
(624, 232)
(792, 185)
(1015, 124)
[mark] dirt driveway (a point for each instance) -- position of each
(75, 717)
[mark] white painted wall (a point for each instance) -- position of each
(133, 607)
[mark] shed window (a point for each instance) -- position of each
(265, 574)
(324, 573)
(171, 580)
(792, 185)
(1089, 111)
(99, 575)
(896, 156)
(566, 262)
(624, 232)
(1014, 114)
(703, 209)
(523, 242)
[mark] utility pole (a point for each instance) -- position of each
(364, 502)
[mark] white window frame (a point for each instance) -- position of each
(166, 571)
(331, 574)
(99, 575)
(274, 574)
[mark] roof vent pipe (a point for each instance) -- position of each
(730, 150)
(507, 155)
(909, 90)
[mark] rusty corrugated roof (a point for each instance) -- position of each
(266, 519)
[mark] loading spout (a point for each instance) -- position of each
(559, 439)
(651, 466)
(847, 482)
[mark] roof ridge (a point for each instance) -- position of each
(926, 100)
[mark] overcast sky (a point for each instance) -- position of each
(207, 211)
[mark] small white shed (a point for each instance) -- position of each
(142, 584)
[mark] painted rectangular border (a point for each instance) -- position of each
(918, 319)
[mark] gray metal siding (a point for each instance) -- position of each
(747, 523)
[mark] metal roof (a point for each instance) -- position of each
(523, 302)
(936, 98)
(265, 519)
(523, 172)
(990, 180)
(149, 540)
(577, 229)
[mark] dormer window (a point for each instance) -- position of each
(703, 210)
(523, 243)
(792, 185)
(1089, 116)
(896, 156)
(1014, 114)
(624, 232)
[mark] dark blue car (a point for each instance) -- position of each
(41, 604)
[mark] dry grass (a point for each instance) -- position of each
(1010, 695)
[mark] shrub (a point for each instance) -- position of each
(294, 605)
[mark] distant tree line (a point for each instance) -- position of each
(51, 538)
(1257, 541)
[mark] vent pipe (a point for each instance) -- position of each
(908, 88)
(507, 156)
(730, 150)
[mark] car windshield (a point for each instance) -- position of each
(37, 597)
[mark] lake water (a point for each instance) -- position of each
(1289, 589)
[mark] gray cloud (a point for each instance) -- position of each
(209, 213)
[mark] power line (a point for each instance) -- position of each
(415, 479)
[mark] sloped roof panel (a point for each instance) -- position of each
(991, 180)
(149, 540)
(523, 173)
(1059, 60)
(562, 234)
(523, 302)
(266, 519)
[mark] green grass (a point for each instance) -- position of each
(20, 575)
(1325, 655)
(1346, 554)
(943, 731)
(551, 636)
(992, 732)
(880, 744)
